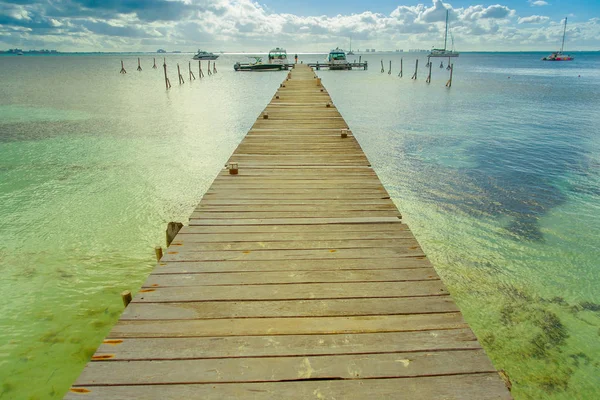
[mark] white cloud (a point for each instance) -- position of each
(538, 3)
(534, 19)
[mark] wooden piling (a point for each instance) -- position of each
(214, 67)
(139, 68)
(158, 252)
(449, 83)
(172, 230)
(233, 168)
(400, 74)
(123, 68)
(382, 69)
(428, 80)
(416, 69)
(126, 297)
(208, 68)
(200, 73)
(390, 70)
(191, 73)
(167, 82)
(154, 66)
(181, 81)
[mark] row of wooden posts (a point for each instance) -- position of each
(181, 80)
(414, 76)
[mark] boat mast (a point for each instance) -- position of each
(446, 34)
(564, 33)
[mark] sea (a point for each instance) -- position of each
(498, 176)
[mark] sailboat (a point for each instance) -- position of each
(559, 56)
(350, 53)
(443, 52)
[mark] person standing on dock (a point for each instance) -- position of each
(296, 58)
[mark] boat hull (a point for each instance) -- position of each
(205, 58)
(259, 67)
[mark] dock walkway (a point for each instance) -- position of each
(295, 279)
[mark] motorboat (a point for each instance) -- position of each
(337, 59)
(559, 56)
(205, 55)
(277, 61)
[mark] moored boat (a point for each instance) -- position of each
(277, 60)
(558, 55)
(444, 52)
(337, 59)
(205, 55)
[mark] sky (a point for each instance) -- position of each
(299, 26)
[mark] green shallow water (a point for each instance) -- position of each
(93, 164)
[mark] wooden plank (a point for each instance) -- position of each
(294, 244)
(194, 267)
(252, 278)
(395, 225)
(295, 221)
(261, 346)
(313, 291)
(293, 308)
(481, 386)
(261, 240)
(182, 254)
(273, 369)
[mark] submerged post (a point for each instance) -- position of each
(416, 69)
(167, 83)
(428, 80)
(400, 74)
(179, 73)
(208, 68)
(390, 70)
(191, 73)
(123, 68)
(154, 66)
(139, 68)
(449, 83)
(214, 67)
(200, 73)
(158, 252)
(382, 70)
(126, 297)
(173, 229)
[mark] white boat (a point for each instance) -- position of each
(559, 56)
(337, 59)
(205, 55)
(444, 52)
(278, 56)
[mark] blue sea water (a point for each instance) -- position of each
(497, 176)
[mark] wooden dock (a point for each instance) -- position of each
(295, 279)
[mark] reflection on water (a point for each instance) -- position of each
(497, 177)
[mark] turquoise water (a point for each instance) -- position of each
(498, 177)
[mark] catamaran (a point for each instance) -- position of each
(559, 56)
(444, 52)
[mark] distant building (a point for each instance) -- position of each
(372, 50)
(161, 51)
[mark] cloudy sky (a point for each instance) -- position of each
(307, 25)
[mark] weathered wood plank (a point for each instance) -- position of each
(296, 221)
(252, 278)
(292, 308)
(182, 254)
(261, 346)
(292, 291)
(484, 386)
(274, 369)
(194, 267)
